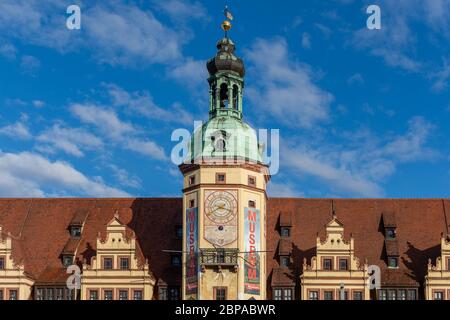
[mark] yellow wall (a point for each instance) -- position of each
(115, 246)
(315, 278)
(236, 180)
(13, 276)
(438, 278)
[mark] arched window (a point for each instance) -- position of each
(224, 102)
(235, 97)
(214, 96)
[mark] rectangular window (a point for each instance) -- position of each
(49, 293)
(59, 293)
(287, 294)
(327, 264)
(192, 180)
(401, 294)
(220, 293)
(220, 178)
(2, 263)
(252, 181)
(2, 297)
(93, 294)
(251, 204)
(124, 263)
(277, 294)
(285, 232)
(176, 260)
(357, 295)
(191, 203)
(174, 293)
(67, 261)
(382, 295)
(448, 264)
(328, 295)
(69, 294)
(13, 294)
(314, 295)
(343, 264)
(75, 232)
(107, 263)
(412, 295)
(343, 295)
(390, 233)
(438, 295)
(123, 294)
(108, 295)
(162, 293)
(40, 294)
(393, 262)
(284, 261)
(137, 294)
(392, 294)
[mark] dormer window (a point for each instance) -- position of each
(67, 261)
(75, 231)
(393, 262)
(285, 232)
(285, 261)
(390, 233)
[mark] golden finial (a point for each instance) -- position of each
(226, 24)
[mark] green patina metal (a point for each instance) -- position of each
(225, 135)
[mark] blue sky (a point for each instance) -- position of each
(89, 113)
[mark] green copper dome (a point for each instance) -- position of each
(225, 136)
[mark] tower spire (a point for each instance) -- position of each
(226, 24)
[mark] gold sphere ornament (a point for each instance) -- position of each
(226, 25)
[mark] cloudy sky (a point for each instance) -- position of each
(90, 112)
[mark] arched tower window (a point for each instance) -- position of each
(214, 96)
(235, 97)
(224, 102)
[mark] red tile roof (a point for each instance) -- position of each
(39, 228)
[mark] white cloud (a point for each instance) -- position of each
(283, 190)
(355, 78)
(69, 140)
(121, 133)
(144, 104)
(441, 78)
(38, 103)
(8, 50)
(30, 175)
(17, 130)
(105, 119)
(146, 147)
(30, 64)
(190, 73)
(124, 178)
(306, 40)
(359, 165)
(115, 32)
(285, 88)
(183, 10)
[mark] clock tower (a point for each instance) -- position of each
(224, 193)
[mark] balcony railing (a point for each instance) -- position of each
(218, 257)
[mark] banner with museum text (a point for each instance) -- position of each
(192, 251)
(252, 238)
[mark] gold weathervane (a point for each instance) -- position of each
(226, 25)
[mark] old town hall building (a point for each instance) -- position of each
(225, 238)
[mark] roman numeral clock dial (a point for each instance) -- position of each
(221, 216)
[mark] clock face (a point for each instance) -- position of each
(221, 207)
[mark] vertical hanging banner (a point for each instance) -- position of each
(191, 249)
(252, 238)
